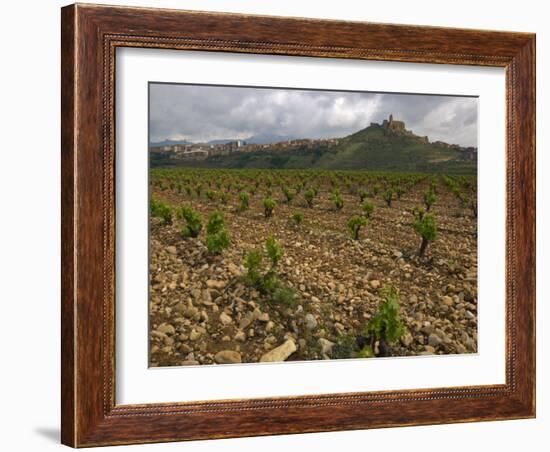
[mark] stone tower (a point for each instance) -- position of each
(394, 125)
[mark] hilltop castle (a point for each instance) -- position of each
(393, 127)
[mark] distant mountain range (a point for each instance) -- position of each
(379, 147)
(169, 143)
(267, 138)
(262, 138)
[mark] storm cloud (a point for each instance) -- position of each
(201, 113)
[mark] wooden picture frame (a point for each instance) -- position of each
(90, 36)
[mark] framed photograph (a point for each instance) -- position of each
(281, 225)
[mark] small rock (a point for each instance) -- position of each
(166, 328)
(263, 317)
(427, 329)
(184, 348)
(227, 357)
(460, 348)
(246, 321)
(213, 284)
(310, 322)
(326, 346)
(206, 298)
(171, 250)
(190, 311)
(447, 300)
(240, 336)
(233, 269)
(194, 335)
(189, 362)
(434, 340)
(158, 335)
(375, 284)
(406, 339)
(281, 353)
(225, 319)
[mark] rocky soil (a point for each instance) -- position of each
(201, 311)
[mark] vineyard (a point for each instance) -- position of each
(254, 265)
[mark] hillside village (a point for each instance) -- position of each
(196, 152)
(201, 151)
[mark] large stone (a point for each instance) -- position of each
(227, 357)
(280, 353)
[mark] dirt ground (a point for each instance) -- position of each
(202, 312)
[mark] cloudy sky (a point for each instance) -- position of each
(203, 113)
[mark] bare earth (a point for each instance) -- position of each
(199, 305)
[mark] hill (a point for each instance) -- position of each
(379, 147)
(383, 148)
